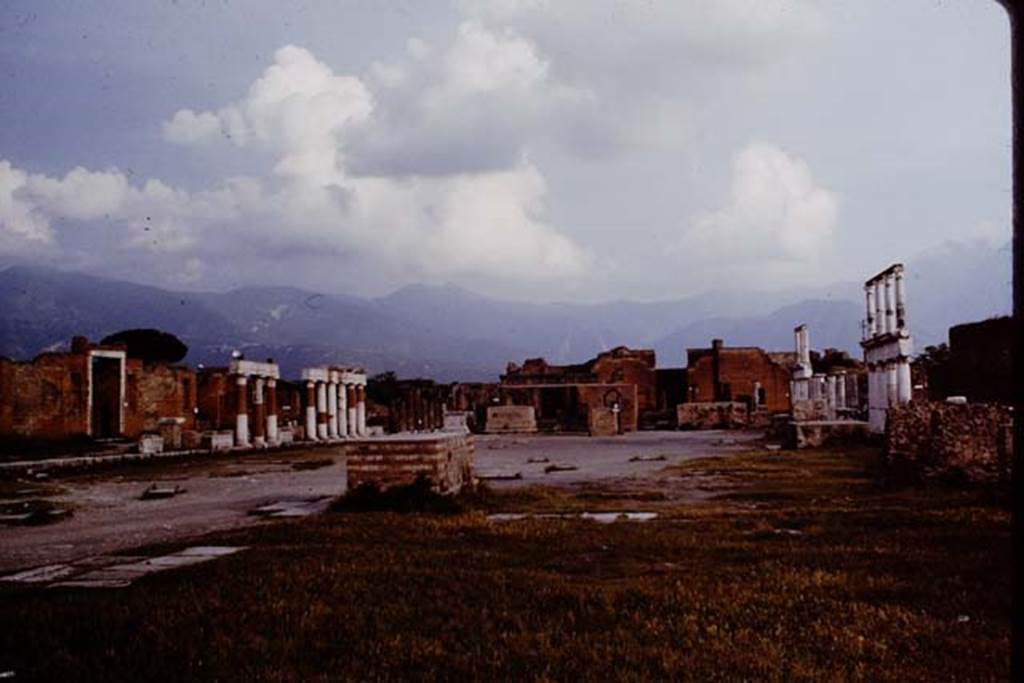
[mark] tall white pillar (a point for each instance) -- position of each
(890, 305)
(258, 438)
(361, 410)
(879, 308)
(353, 419)
(901, 302)
(332, 408)
(871, 327)
(342, 409)
(816, 392)
(272, 435)
(830, 395)
(242, 413)
(841, 390)
(311, 410)
(904, 386)
(890, 383)
(321, 410)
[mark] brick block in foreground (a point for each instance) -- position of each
(444, 459)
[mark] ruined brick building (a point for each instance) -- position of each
(740, 374)
(93, 391)
(569, 397)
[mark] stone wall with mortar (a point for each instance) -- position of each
(970, 442)
(444, 460)
(718, 415)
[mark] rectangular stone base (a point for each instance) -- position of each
(511, 420)
(445, 460)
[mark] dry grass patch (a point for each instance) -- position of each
(830, 579)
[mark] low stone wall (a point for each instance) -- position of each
(510, 419)
(445, 460)
(809, 410)
(972, 442)
(719, 415)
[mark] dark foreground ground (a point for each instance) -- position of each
(799, 567)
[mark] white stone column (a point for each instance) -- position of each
(876, 399)
(258, 438)
(904, 385)
(815, 392)
(890, 305)
(901, 302)
(830, 395)
(311, 410)
(890, 383)
(332, 407)
(871, 327)
(242, 413)
(841, 390)
(879, 308)
(361, 410)
(353, 419)
(272, 435)
(342, 410)
(321, 410)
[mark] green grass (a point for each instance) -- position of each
(801, 569)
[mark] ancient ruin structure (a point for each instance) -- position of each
(407, 405)
(93, 391)
(335, 403)
(657, 391)
(887, 345)
(758, 381)
(242, 398)
(830, 393)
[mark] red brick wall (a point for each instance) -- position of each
(626, 366)
(46, 398)
(739, 369)
(156, 391)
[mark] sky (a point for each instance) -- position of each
(583, 150)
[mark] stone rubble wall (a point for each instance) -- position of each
(717, 415)
(445, 460)
(972, 442)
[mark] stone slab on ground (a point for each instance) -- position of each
(115, 571)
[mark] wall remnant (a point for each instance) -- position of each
(966, 441)
(511, 419)
(446, 461)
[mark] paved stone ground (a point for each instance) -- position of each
(223, 493)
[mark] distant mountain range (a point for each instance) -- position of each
(449, 333)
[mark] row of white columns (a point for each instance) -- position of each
(335, 404)
(264, 430)
(887, 345)
(885, 301)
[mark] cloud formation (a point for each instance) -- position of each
(472, 220)
(777, 214)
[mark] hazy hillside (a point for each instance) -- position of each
(450, 333)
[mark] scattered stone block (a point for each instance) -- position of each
(603, 421)
(155, 492)
(172, 432)
(456, 422)
(218, 441)
(150, 444)
(818, 433)
(511, 419)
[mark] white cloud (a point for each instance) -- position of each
(473, 222)
(22, 226)
(777, 215)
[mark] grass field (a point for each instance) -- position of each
(801, 568)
